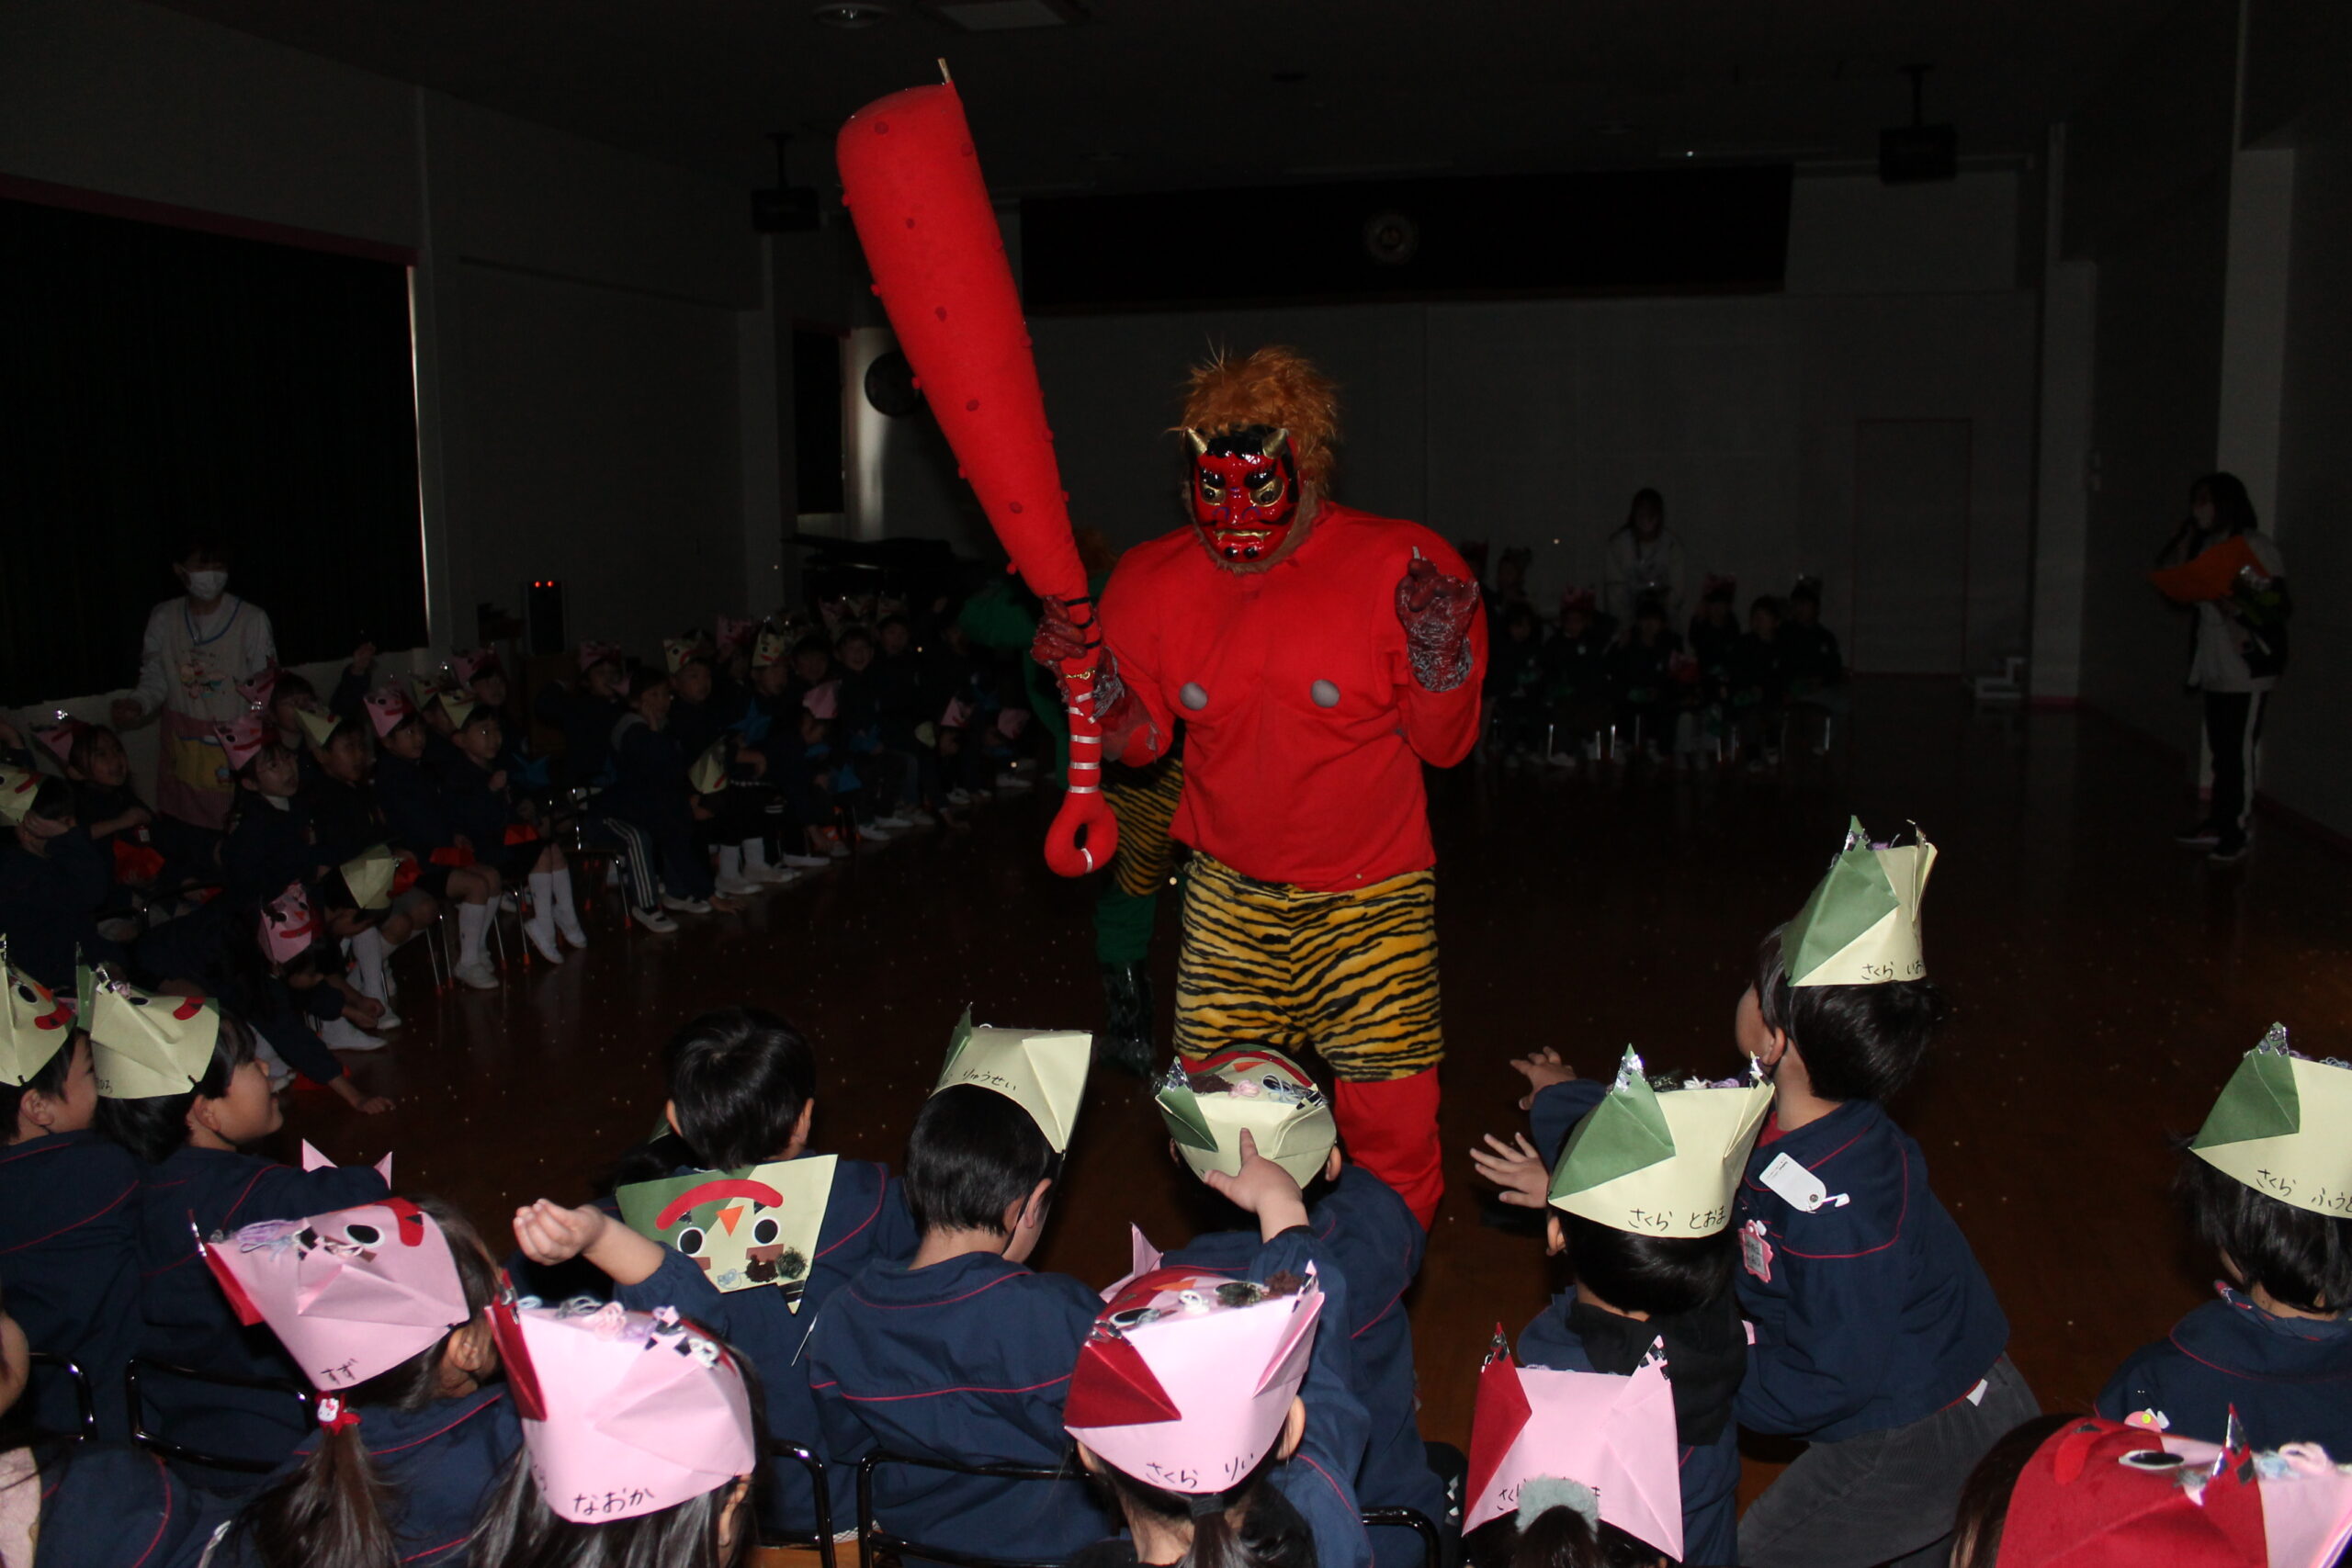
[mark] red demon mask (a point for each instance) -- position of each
(1245, 490)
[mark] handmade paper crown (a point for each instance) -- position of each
(141, 1045)
(244, 737)
(731, 636)
(1207, 1109)
(1614, 1434)
(472, 664)
(369, 876)
(288, 925)
(623, 1413)
(59, 738)
(770, 648)
(708, 775)
(1861, 927)
(679, 651)
(18, 788)
(2110, 1494)
(455, 709)
(594, 653)
(1044, 1072)
(33, 1026)
(2283, 1126)
(350, 1294)
(1186, 1379)
(262, 686)
(1577, 601)
(747, 1228)
(824, 699)
(319, 727)
(1661, 1164)
(387, 709)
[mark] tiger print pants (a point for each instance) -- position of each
(1352, 976)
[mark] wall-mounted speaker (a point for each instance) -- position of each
(543, 614)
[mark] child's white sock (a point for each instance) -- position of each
(567, 919)
(730, 864)
(543, 899)
(368, 955)
(473, 925)
(755, 853)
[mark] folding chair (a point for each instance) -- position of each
(822, 1541)
(1421, 1524)
(873, 1542)
(141, 1369)
(83, 1400)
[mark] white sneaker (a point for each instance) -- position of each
(653, 921)
(805, 863)
(478, 975)
(1012, 784)
(510, 903)
(871, 832)
(894, 821)
(541, 934)
(959, 796)
(767, 875)
(739, 887)
(341, 1035)
(388, 1018)
(922, 819)
(684, 906)
(570, 931)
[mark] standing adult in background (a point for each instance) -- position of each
(1644, 561)
(2236, 652)
(198, 647)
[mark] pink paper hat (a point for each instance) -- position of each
(1614, 1434)
(594, 653)
(957, 715)
(262, 686)
(1579, 600)
(733, 635)
(244, 736)
(288, 925)
(350, 1294)
(1187, 1377)
(824, 700)
(59, 738)
(471, 664)
(387, 709)
(625, 1412)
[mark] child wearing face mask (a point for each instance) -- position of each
(198, 647)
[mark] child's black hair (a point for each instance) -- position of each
(49, 1083)
(738, 1078)
(854, 632)
(813, 642)
(86, 741)
(1984, 1511)
(292, 683)
(642, 678)
(53, 800)
(973, 1154)
(1271, 1533)
(893, 619)
(1557, 1538)
(1660, 1274)
(1858, 1042)
(156, 1128)
(329, 1512)
(2302, 1259)
(1767, 605)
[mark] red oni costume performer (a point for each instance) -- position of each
(1316, 657)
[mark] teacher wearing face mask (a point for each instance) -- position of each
(198, 646)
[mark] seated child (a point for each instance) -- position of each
(270, 843)
(961, 1353)
(642, 1435)
(52, 880)
(481, 802)
(129, 835)
(385, 1308)
(1714, 630)
(742, 1094)
(2269, 1196)
(479, 675)
(1571, 1471)
(859, 718)
(1877, 1338)
(1809, 656)
(358, 909)
(706, 723)
(1755, 681)
(650, 792)
(68, 1209)
(180, 1089)
(288, 982)
(1362, 1229)
(1576, 670)
(1514, 685)
(1652, 1254)
(585, 712)
(1641, 673)
(414, 818)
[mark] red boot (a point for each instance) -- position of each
(1390, 1129)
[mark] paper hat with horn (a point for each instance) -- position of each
(730, 635)
(1861, 927)
(288, 925)
(369, 876)
(772, 647)
(472, 664)
(708, 774)
(1187, 1377)
(259, 688)
(319, 727)
(1578, 602)
(18, 788)
(1043, 1071)
(34, 1026)
(58, 739)
(824, 699)
(143, 1045)
(746, 1229)
(455, 709)
(677, 652)
(623, 1413)
(2283, 1126)
(594, 653)
(1614, 1434)
(351, 1294)
(1208, 1107)
(1661, 1163)
(244, 738)
(2119, 1494)
(387, 709)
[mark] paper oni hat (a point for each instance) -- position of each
(730, 635)
(1043, 1071)
(262, 685)
(144, 1045)
(1861, 927)
(243, 737)
(18, 788)
(59, 738)
(387, 709)
(2283, 1126)
(1661, 1163)
(623, 1413)
(319, 727)
(471, 664)
(745, 1229)
(2114, 1495)
(770, 648)
(708, 775)
(1186, 1378)
(369, 876)
(33, 1023)
(1263, 1091)
(1614, 1434)
(288, 925)
(455, 709)
(351, 1294)
(823, 699)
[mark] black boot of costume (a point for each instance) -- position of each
(1125, 1041)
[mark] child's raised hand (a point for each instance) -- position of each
(549, 1233)
(1261, 1187)
(1516, 1168)
(1541, 1069)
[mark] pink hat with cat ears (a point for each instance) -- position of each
(244, 737)
(824, 700)
(288, 925)
(262, 686)
(387, 709)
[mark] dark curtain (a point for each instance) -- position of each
(159, 384)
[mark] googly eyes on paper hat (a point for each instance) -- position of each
(18, 788)
(143, 1045)
(34, 1025)
(244, 738)
(58, 739)
(261, 687)
(772, 647)
(387, 709)
(1208, 1107)
(288, 925)
(472, 664)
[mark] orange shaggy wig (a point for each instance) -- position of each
(1276, 385)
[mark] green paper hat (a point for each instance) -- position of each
(143, 1045)
(1208, 1105)
(2283, 1126)
(1043, 1071)
(748, 1229)
(1861, 927)
(1661, 1164)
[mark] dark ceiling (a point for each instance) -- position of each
(1166, 94)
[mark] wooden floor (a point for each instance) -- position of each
(2104, 982)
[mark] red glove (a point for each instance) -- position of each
(1436, 611)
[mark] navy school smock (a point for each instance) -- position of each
(69, 1266)
(113, 1505)
(269, 845)
(1871, 1314)
(2289, 1378)
(1372, 1240)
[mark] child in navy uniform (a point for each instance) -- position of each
(2274, 1201)
(415, 817)
(480, 801)
(961, 1353)
(650, 792)
(270, 842)
(1877, 1337)
(585, 712)
(743, 1092)
(52, 879)
(1361, 1228)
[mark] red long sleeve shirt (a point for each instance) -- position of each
(1306, 729)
